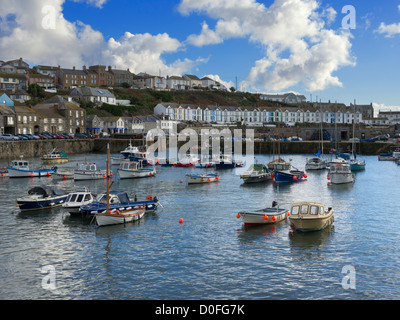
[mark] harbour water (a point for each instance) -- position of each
(210, 255)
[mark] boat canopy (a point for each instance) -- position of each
(46, 191)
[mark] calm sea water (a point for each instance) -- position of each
(211, 255)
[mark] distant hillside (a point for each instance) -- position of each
(143, 101)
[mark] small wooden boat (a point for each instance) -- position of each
(132, 169)
(264, 216)
(88, 171)
(55, 157)
(202, 178)
(116, 216)
(357, 165)
(310, 216)
(340, 173)
(20, 169)
(77, 199)
(42, 197)
(256, 173)
(279, 164)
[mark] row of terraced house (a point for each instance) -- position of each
(17, 75)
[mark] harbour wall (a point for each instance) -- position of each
(10, 150)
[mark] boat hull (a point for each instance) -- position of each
(288, 176)
(315, 164)
(40, 204)
(264, 216)
(198, 179)
(89, 175)
(256, 178)
(19, 173)
(311, 224)
(113, 218)
(94, 208)
(132, 174)
(341, 178)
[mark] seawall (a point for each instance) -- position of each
(31, 149)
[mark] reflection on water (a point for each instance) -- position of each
(211, 255)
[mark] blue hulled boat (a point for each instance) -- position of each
(118, 201)
(42, 197)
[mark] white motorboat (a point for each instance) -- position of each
(202, 178)
(340, 173)
(89, 171)
(264, 216)
(315, 163)
(77, 199)
(133, 169)
(20, 169)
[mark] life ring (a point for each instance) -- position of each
(150, 198)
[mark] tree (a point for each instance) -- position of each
(36, 91)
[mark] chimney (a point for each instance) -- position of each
(84, 68)
(109, 68)
(73, 68)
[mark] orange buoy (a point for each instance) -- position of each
(238, 216)
(273, 218)
(180, 181)
(180, 220)
(265, 217)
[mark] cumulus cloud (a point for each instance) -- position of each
(389, 30)
(95, 3)
(41, 35)
(298, 45)
(382, 107)
(228, 85)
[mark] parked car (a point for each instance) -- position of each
(80, 136)
(354, 139)
(8, 136)
(43, 137)
(22, 137)
(380, 138)
(32, 136)
(104, 135)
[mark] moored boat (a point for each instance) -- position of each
(42, 197)
(315, 163)
(3, 172)
(357, 165)
(77, 199)
(21, 169)
(55, 157)
(256, 173)
(340, 173)
(132, 169)
(202, 178)
(116, 216)
(89, 171)
(269, 215)
(310, 216)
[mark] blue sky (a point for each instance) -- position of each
(268, 46)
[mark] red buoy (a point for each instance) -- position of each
(180, 220)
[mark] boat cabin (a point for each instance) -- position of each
(79, 197)
(130, 165)
(118, 197)
(340, 168)
(88, 167)
(308, 208)
(20, 164)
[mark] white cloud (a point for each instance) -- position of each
(217, 78)
(389, 30)
(382, 107)
(41, 35)
(298, 46)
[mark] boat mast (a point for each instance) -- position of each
(108, 179)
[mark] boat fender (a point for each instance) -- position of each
(149, 198)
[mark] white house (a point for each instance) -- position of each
(95, 95)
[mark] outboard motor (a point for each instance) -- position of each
(274, 204)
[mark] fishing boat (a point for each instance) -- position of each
(340, 173)
(42, 197)
(132, 169)
(21, 169)
(269, 215)
(256, 173)
(88, 171)
(77, 199)
(387, 156)
(55, 157)
(279, 164)
(310, 216)
(202, 178)
(188, 161)
(357, 165)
